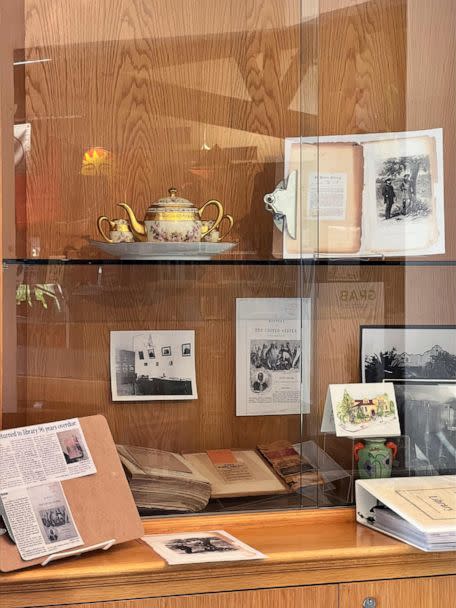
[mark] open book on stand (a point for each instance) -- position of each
(360, 195)
(420, 511)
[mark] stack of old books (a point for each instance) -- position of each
(163, 480)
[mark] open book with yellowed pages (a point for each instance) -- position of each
(420, 511)
(234, 473)
(366, 195)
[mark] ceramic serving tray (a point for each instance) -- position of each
(163, 251)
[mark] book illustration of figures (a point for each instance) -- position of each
(270, 356)
(373, 194)
(356, 414)
(404, 188)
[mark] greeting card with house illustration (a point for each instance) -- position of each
(361, 410)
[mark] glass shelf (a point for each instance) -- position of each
(228, 262)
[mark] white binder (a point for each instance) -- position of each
(420, 511)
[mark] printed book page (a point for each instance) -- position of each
(400, 211)
(273, 340)
(330, 178)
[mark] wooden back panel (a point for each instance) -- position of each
(153, 87)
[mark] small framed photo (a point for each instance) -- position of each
(408, 352)
(166, 351)
(151, 353)
(186, 349)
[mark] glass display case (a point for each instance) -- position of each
(324, 131)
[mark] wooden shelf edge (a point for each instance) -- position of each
(347, 552)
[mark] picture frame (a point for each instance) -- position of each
(187, 349)
(407, 352)
(166, 351)
(427, 411)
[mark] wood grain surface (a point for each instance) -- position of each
(155, 86)
(303, 548)
(431, 88)
(420, 593)
(324, 596)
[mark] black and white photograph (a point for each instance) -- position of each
(409, 352)
(53, 520)
(428, 410)
(206, 544)
(404, 188)
(53, 513)
(153, 365)
(199, 547)
(72, 446)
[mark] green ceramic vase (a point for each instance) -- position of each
(375, 458)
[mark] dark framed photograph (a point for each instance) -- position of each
(408, 352)
(428, 419)
(186, 349)
(166, 351)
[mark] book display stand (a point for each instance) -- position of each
(102, 505)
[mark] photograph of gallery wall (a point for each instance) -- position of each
(408, 352)
(153, 365)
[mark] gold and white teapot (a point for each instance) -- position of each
(175, 219)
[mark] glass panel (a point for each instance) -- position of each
(278, 109)
(120, 107)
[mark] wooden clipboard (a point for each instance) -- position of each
(102, 504)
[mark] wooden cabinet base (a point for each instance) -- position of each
(436, 592)
(325, 596)
(308, 553)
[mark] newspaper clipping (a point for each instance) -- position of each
(273, 356)
(33, 462)
(39, 520)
